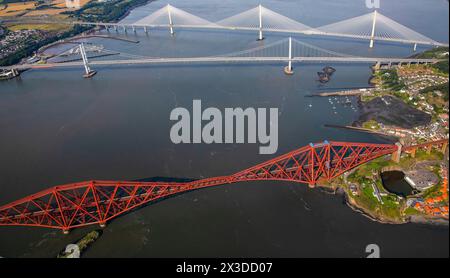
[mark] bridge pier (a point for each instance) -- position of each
(260, 36)
(288, 69)
(134, 28)
(444, 147)
(429, 147)
(413, 153)
(115, 28)
(377, 66)
(145, 29)
(398, 153)
(415, 47)
(124, 28)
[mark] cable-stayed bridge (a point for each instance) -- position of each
(283, 51)
(372, 26)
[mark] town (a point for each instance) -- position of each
(409, 103)
(22, 31)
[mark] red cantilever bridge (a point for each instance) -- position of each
(95, 202)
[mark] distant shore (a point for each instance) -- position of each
(127, 13)
(68, 35)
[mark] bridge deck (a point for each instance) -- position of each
(224, 60)
(313, 32)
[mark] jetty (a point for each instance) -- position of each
(353, 92)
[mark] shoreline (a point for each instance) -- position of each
(349, 201)
(127, 13)
(415, 219)
(91, 32)
(78, 34)
(82, 36)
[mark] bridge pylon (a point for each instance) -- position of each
(260, 36)
(396, 155)
(89, 72)
(169, 14)
(374, 23)
(288, 69)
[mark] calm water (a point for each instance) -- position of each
(57, 127)
(394, 182)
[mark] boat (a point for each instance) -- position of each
(90, 74)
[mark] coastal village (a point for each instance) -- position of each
(422, 91)
(421, 87)
(434, 205)
(23, 27)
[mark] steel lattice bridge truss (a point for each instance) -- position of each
(95, 202)
(372, 26)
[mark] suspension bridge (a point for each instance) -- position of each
(371, 27)
(80, 204)
(287, 51)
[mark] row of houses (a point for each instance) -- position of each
(436, 205)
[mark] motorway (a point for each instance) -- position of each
(194, 60)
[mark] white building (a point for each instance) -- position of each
(73, 4)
